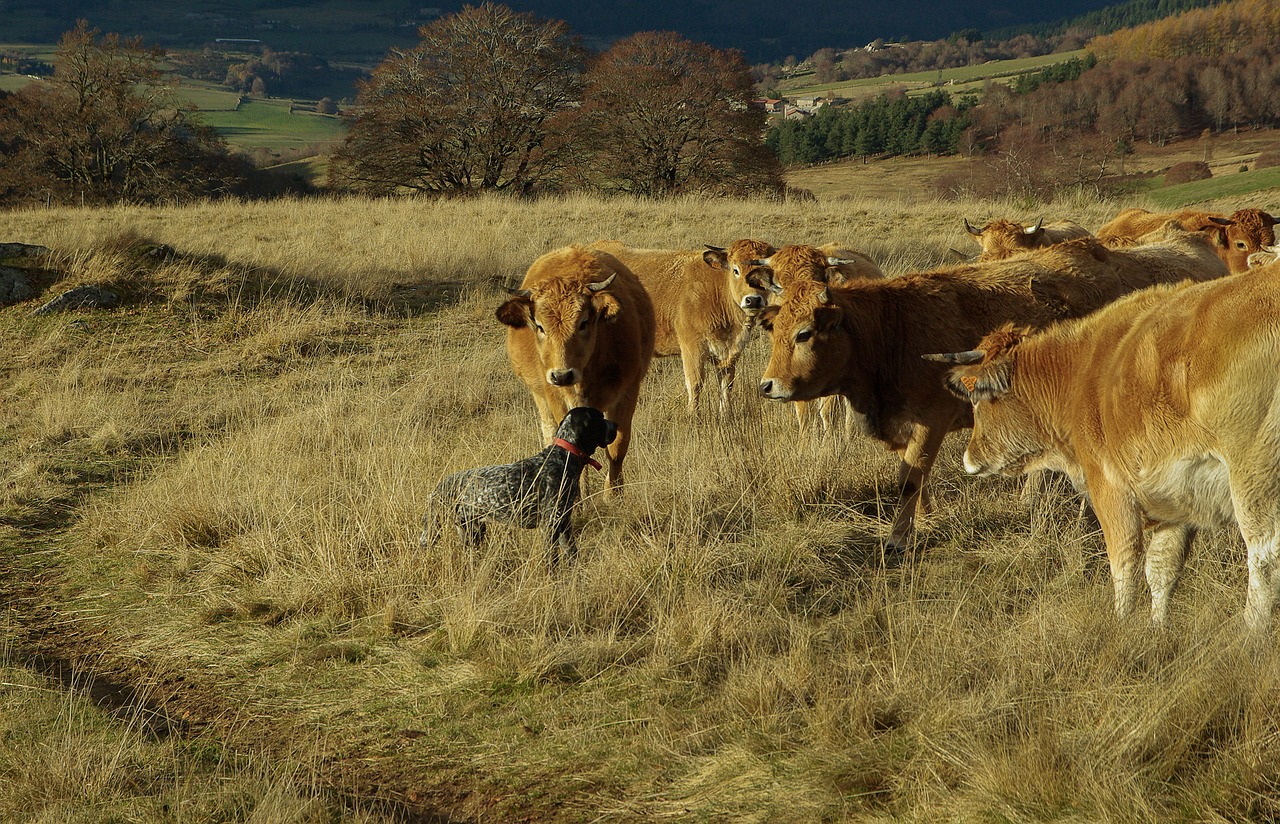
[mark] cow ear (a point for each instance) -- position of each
(988, 382)
(515, 311)
(606, 306)
(715, 258)
(826, 318)
(765, 317)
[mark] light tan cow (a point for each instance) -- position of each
(696, 311)
(581, 333)
(865, 340)
(1000, 239)
(1235, 237)
(1165, 406)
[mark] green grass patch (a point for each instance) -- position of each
(13, 82)
(1216, 188)
(270, 124)
(208, 100)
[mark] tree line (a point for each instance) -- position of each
(489, 100)
(886, 126)
(493, 99)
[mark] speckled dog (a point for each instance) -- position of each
(539, 491)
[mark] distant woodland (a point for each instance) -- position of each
(1210, 69)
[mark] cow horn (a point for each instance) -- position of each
(714, 248)
(970, 228)
(972, 356)
(604, 284)
(1223, 221)
(519, 293)
(1033, 229)
(835, 261)
(825, 296)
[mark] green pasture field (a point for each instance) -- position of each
(13, 82)
(1217, 188)
(269, 124)
(950, 79)
(208, 99)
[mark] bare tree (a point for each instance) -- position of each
(467, 109)
(106, 128)
(663, 115)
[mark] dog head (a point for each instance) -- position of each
(586, 428)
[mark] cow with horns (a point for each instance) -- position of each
(865, 340)
(1000, 239)
(1165, 407)
(580, 333)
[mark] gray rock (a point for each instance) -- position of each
(14, 285)
(19, 250)
(81, 297)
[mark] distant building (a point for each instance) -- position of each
(771, 105)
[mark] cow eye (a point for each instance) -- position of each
(582, 324)
(538, 326)
(737, 273)
(803, 335)
(1240, 244)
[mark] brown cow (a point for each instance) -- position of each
(1000, 239)
(581, 334)
(696, 311)
(1164, 407)
(1235, 237)
(823, 264)
(865, 340)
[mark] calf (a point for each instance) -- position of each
(537, 492)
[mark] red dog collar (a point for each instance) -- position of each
(573, 450)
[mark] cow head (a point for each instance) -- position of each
(810, 347)
(1000, 239)
(791, 264)
(1006, 437)
(736, 262)
(1249, 232)
(565, 315)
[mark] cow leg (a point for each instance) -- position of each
(1166, 554)
(549, 414)
(803, 414)
(913, 473)
(826, 412)
(1122, 530)
(616, 452)
(691, 360)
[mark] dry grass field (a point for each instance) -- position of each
(209, 513)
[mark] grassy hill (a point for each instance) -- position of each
(211, 506)
(958, 80)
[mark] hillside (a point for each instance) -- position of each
(210, 511)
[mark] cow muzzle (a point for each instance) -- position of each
(752, 303)
(774, 390)
(562, 377)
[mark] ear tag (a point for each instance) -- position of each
(969, 382)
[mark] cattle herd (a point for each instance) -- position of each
(1143, 361)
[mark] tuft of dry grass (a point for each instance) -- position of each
(228, 474)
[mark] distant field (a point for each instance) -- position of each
(959, 79)
(208, 100)
(13, 82)
(1236, 185)
(269, 124)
